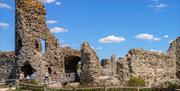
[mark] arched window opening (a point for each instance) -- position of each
(43, 45)
(49, 70)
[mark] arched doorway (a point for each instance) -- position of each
(72, 65)
(27, 69)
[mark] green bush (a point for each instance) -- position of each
(173, 84)
(136, 81)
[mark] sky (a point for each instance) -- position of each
(110, 26)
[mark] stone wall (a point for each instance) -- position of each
(154, 67)
(90, 65)
(31, 30)
(109, 66)
(106, 64)
(72, 58)
(174, 52)
(8, 66)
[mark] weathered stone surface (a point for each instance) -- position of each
(31, 30)
(106, 64)
(9, 54)
(68, 51)
(113, 65)
(109, 66)
(174, 52)
(90, 65)
(154, 67)
(107, 81)
(123, 72)
(7, 65)
(72, 61)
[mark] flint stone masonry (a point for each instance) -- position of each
(154, 67)
(109, 66)
(174, 52)
(72, 58)
(106, 64)
(9, 54)
(7, 66)
(31, 30)
(30, 56)
(68, 51)
(90, 65)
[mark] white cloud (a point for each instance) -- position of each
(112, 39)
(48, 1)
(51, 21)
(156, 50)
(145, 36)
(158, 6)
(156, 39)
(5, 6)
(65, 45)
(161, 6)
(4, 25)
(58, 30)
(58, 3)
(166, 36)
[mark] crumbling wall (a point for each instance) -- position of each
(154, 67)
(109, 66)
(31, 29)
(72, 59)
(90, 65)
(106, 64)
(174, 52)
(8, 66)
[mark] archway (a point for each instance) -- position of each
(27, 69)
(72, 65)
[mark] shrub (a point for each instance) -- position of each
(173, 84)
(136, 81)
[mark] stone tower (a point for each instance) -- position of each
(31, 31)
(113, 64)
(174, 52)
(90, 66)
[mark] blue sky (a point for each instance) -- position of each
(110, 26)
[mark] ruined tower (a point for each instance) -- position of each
(31, 33)
(174, 52)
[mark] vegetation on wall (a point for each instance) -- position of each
(136, 81)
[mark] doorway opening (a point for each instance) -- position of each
(72, 65)
(27, 69)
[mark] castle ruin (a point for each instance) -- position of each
(31, 58)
